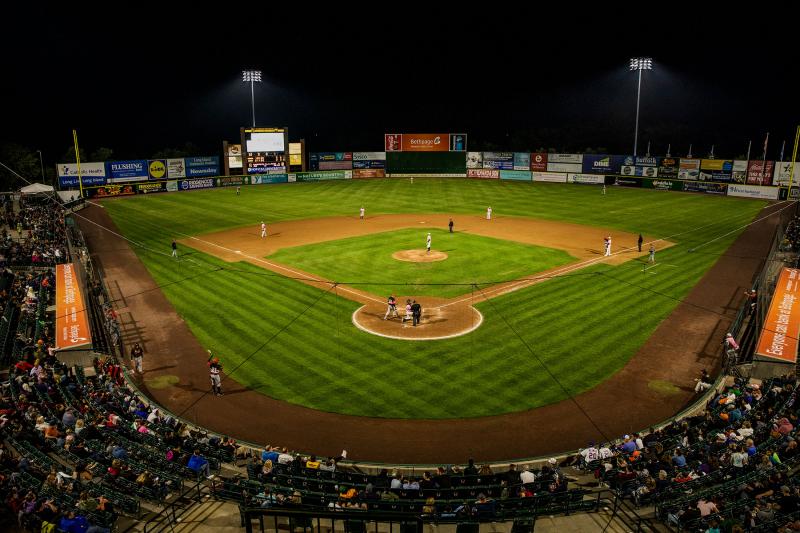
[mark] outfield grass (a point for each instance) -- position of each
(583, 327)
(367, 262)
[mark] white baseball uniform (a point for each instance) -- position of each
(429, 242)
(263, 230)
(362, 212)
(652, 258)
(489, 214)
(608, 247)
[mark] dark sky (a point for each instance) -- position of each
(150, 78)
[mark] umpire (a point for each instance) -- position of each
(416, 312)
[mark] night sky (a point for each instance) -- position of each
(145, 79)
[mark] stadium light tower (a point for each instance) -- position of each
(640, 64)
(252, 76)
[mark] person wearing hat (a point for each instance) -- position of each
(214, 369)
(391, 307)
(428, 244)
(137, 354)
(416, 312)
(703, 382)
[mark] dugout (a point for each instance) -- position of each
(417, 163)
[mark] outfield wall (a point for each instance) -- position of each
(761, 192)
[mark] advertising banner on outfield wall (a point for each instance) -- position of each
(91, 173)
(172, 186)
(519, 175)
(662, 184)
(586, 179)
(628, 182)
(498, 160)
(668, 167)
(72, 316)
(539, 162)
(323, 176)
(761, 192)
(706, 187)
(551, 177)
(644, 161)
(146, 188)
(190, 185)
(230, 181)
(111, 190)
(202, 166)
(575, 168)
(689, 169)
(458, 142)
(425, 142)
(781, 329)
(522, 161)
(739, 174)
(157, 169)
(378, 163)
(602, 164)
(760, 172)
(484, 173)
(263, 179)
(722, 165)
(335, 165)
(575, 159)
(176, 168)
(369, 156)
(369, 173)
(783, 171)
(474, 159)
(121, 171)
(627, 170)
(331, 156)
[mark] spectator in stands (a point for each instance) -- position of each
(527, 477)
(199, 464)
(470, 470)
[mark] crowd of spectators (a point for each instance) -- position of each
(40, 235)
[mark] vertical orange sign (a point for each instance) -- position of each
(72, 323)
(782, 324)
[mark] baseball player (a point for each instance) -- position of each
(652, 258)
(361, 213)
(174, 248)
(489, 213)
(263, 229)
(607, 243)
(137, 354)
(604, 189)
(428, 243)
(450, 225)
(409, 315)
(237, 190)
(391, 307)
(214, 368)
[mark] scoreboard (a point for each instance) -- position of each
(265, 150)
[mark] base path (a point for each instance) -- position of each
(176, 377)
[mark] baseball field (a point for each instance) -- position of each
(557, 317)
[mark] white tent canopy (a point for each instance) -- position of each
(37, 188)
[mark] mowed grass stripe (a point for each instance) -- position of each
(582, 327)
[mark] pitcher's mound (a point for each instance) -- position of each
(419, 256)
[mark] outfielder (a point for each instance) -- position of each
(489, 213)
(214, 368)
(263, 229)
(361, 214)
(391, 307)
(428, 243)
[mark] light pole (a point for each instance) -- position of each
(640, 64)
(41, 163)
(252, 76)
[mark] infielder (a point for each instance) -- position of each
(174, 248)
(391, 307)
(361, 213)
(214, 368)
(607, 243)
(489, 213)
(652, 258)
(428, 243)
(263, 229)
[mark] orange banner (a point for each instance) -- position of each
(426, 142)
(782, 325)
(72, 319)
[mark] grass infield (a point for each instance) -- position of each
(367, 262)
(583, 327)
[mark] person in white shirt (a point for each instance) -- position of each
(591, 453)
(428, 243)
(361, 213)
(489, 213)
(526, 476)
(263, 229)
